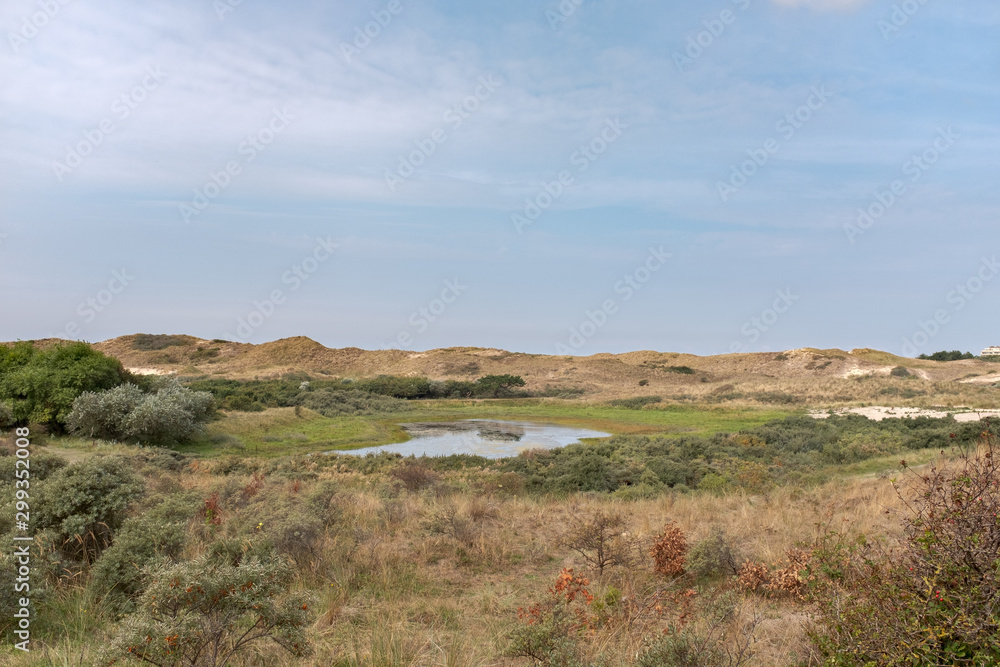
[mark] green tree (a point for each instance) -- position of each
(203, 612)
(39, 386)
(495, 385)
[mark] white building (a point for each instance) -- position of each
(992, 351)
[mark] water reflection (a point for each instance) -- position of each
(481, 437)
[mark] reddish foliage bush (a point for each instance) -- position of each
(669, 551)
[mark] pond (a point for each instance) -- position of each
(481, 437)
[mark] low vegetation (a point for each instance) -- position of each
(167, 533)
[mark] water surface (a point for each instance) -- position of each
(482, 437)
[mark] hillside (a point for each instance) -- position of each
(803, 375)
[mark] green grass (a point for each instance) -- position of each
(279, 432)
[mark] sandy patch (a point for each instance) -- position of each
(148, 371)
(878, 413)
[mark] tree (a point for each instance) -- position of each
(39, 386)
(494, 385)
(201, 613)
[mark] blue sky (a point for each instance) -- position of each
(504, 174)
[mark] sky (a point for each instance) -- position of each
(571, 177)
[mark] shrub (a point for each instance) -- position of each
(900, 372)
(683, 370)
(601, 540)
(334, 403)
(683, 648)
(154, 342)
(39, 386)
(713, 556)
(789, 578)
(159, 533)
(669, 551)
(497, 385)
(414, 475)
(944, 355)
(932, 598)
(170, 415)
(6, 415)
(637, 403)
(203, 612)
(85, 503)
(549, 629)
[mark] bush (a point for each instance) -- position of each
(414, 475)
(930, 599)
(157, 534)
(713, 556)
(85, 503)
(954, 355)
(601, 540)
(334, 403)
(497, 385)
(39, 386)
(154, 342)
(900, 372)
(669, 551)
(637, 403)
(203, 612)
(6, 415)
(171, 415)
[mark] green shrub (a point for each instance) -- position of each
(154, 342)
(713, 556)
(497, 385)
(172, 414)
(683, 648)
(334, 403)
(900, 372)
(84, 503)
(159, 533)
(206, 611)
(636, 403)
(954, 355)
(683, 370)
(39, 386)
(6, 415)
(396, 386)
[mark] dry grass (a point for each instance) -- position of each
(396, 590)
